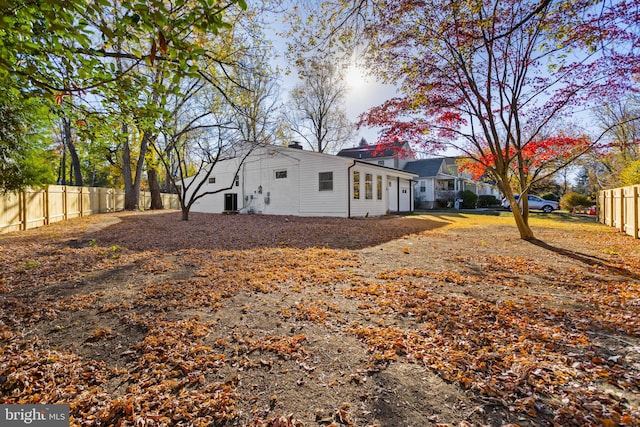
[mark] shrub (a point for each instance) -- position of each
(630, 175)
(551, 196)
(469, 199)
(572, 200)
(485, 201)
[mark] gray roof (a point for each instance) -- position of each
(374, 151)
(425, 167)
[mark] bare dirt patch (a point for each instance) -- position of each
(254, 320)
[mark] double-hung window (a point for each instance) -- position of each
(325, 181)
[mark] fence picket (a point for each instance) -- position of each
(35, 208)
(620, 208)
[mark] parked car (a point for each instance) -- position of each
(535, 203)
(585, 210)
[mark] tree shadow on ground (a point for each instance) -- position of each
(168, 232)
(586, 259)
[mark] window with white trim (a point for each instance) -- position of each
(325, 181)
(368, 186)
(356, 184)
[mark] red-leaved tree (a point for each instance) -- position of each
(489, 77)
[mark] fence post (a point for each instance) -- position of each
(612, 219)
(635, 190)
(622, 210)
(22, 210)
(600, 207)
(47, 215)
(65, 208)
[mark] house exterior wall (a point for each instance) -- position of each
(270, 185)
(485, 189)
(382, 161)
(314, 202)
(401, 194)
(281, 181)
(223, 174)
(428, 196)
(363, 206)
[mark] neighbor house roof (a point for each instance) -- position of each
(425, 167)
(373, 151)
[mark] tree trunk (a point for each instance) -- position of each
(131, 198)
(75, 160)
(521, 220)
(62, 172)
(131, 182)
(154, 188)
(185, 213)
(140, 165)
(523, 227)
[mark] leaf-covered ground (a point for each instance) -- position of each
(444, 319)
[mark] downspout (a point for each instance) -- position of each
(398, 185)
(349, 189)
(411, 195)
(243, 189)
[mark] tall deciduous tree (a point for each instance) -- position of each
(488, 76)
(40, 37)
(221, 117)
(317, 111)
(109, 48)
(25, 158)
(621, 156)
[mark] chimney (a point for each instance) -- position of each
(295, 144)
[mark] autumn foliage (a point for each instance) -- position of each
(493, 79)
(536, 155)
(170, 325)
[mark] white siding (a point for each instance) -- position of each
(392, 201)
(263, 193)
(314, 202)
(386, 161)
(259, 191)
(224, 174)
(368, 207)
(429, 193)
(405, 196)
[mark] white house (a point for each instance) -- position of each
(281, 180)
(439, 182)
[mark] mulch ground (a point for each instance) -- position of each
(439, 319)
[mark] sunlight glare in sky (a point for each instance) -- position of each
(363, 93)
(355, 79)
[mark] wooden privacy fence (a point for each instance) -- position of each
(620, 208)
(35, 208)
